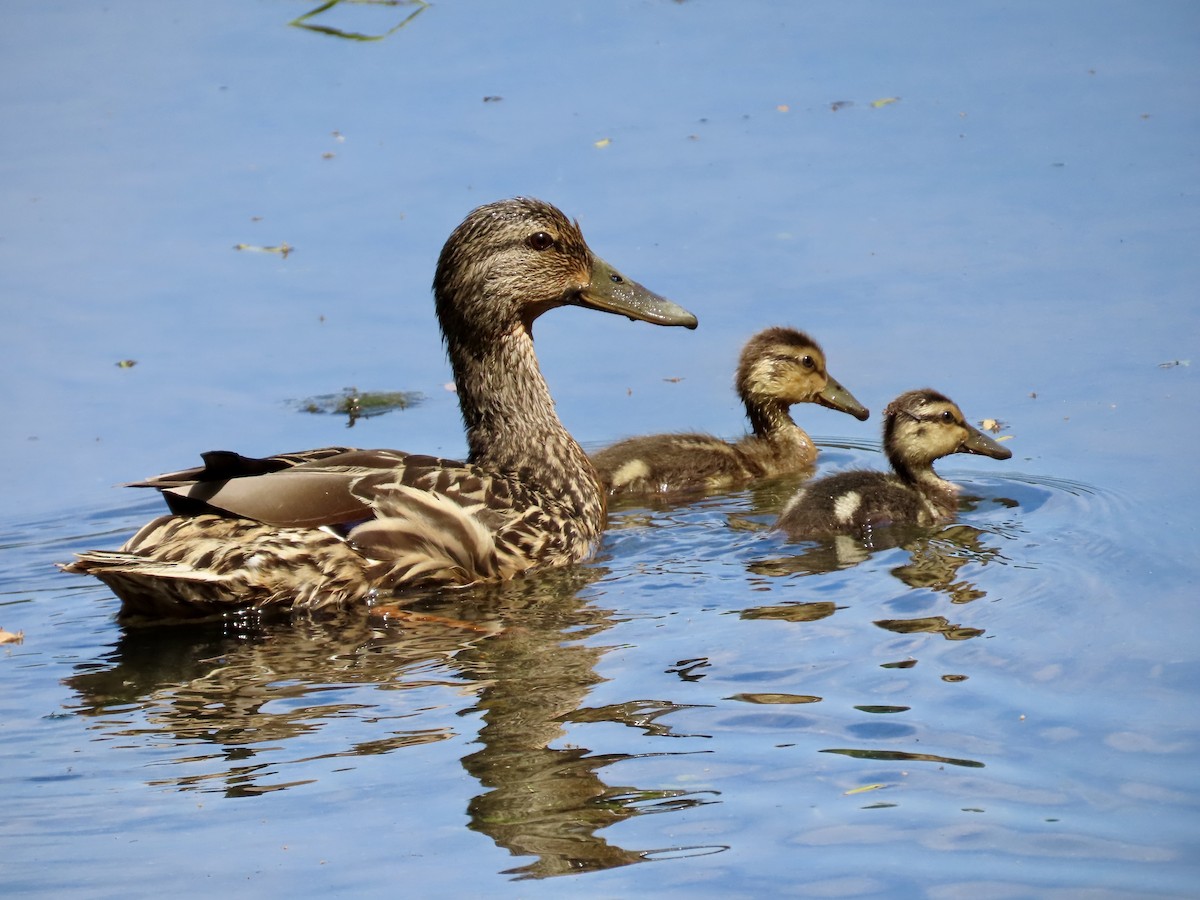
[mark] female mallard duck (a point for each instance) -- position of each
(778, 367)
(331, 527)
(919, 427)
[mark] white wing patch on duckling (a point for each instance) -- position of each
(845, 506)
(630, 472)
(797, 499)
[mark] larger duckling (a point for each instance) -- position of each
(779, 367)
(331, 527)
(919, 427)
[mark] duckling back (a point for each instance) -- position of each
(857, 501)
(662, 463)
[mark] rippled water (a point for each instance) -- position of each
(1003, 707)
(898, 718)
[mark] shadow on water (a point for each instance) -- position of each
(232, 695)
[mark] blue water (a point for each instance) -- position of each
(1002, 708)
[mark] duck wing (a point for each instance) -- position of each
(453, 523)
(415, 519)
(329, 486)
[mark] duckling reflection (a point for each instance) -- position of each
(935, 560)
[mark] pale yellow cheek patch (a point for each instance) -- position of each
(845, 506)
(630, 472)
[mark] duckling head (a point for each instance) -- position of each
(922, 426)
(782, 366)
(510, 261)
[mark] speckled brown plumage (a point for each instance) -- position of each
(778, 367)
(333, 527)
(919, 427)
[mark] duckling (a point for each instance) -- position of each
(919, 427)
(778, 367)
(333, 527)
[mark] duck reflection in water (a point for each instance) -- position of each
(258, 692)
(935, 559)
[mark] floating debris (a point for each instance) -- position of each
(884, 101)
(126, 363)
(355, 404)
(1171, 364)
(901, 755)
(603, 142)
(282, 249)
(840, 104)
(11, 637)
(864, 789)
(492, 98)
(775, 698)
(305, 23)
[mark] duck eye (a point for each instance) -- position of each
(539, 241)
(808, 363)
(947, 417)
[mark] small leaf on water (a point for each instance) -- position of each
(864, 789)
(360, 404)
(775, 698)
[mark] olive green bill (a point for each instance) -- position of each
(610, 291)
(837, 397)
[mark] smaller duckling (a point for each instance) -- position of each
(919, 427)
(778, 367)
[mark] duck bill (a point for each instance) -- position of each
(978, 442)
(837, 397)
(610, 291)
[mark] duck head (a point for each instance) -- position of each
(782, 365)
(510, 261)
(922, 426)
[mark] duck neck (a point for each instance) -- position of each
(942, 494)
(773, 423)
(512, 427)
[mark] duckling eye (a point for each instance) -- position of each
(540, 240)
(808, 363)
(947, 417)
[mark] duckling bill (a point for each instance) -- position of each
(778, 367)
(919, 427)
(333, 527)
